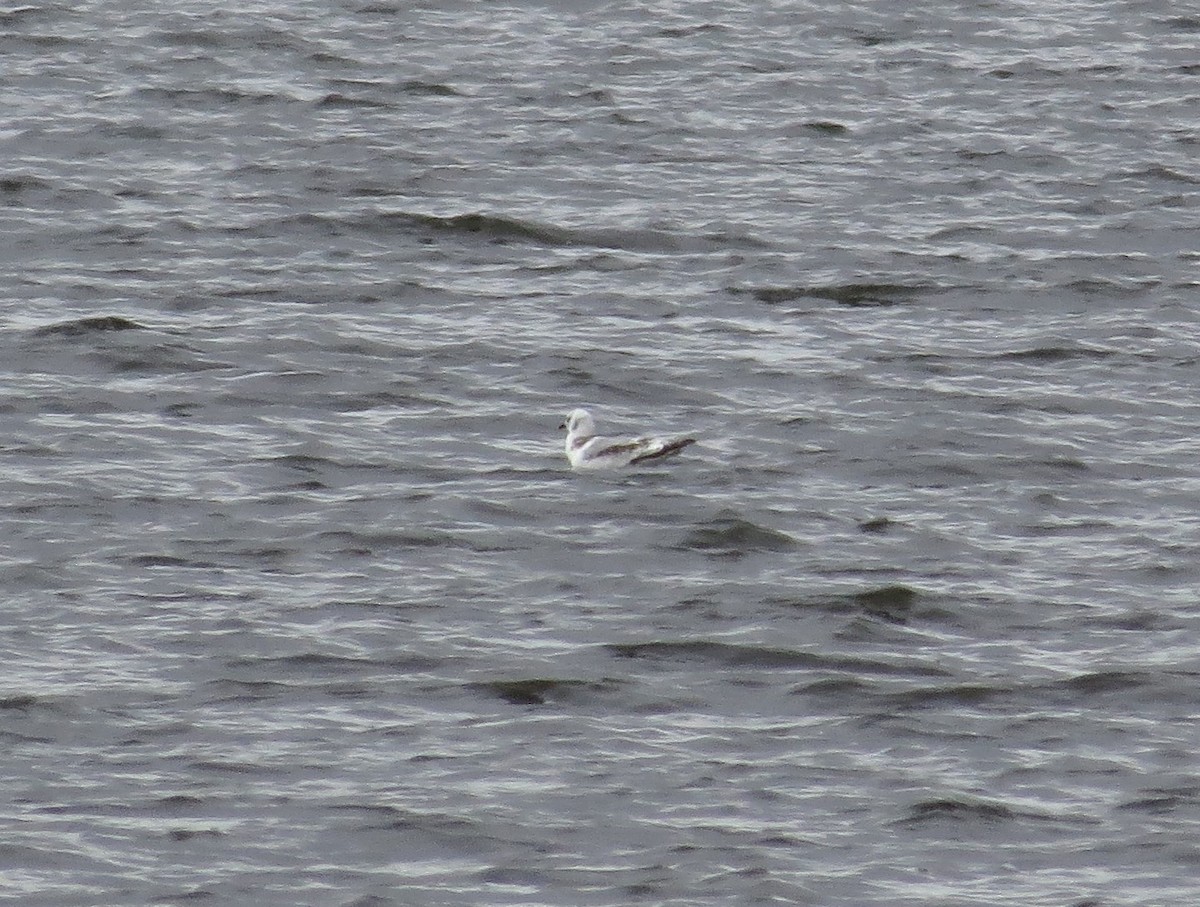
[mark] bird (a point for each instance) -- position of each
(587, 450)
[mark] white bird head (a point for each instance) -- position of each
(579, 424)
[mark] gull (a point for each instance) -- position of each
(587, 450)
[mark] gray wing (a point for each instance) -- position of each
(668, 449)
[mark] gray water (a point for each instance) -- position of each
(302, 605)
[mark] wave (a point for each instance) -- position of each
(736, 655)
(978, 810)
(94, 324)
(123, 346)
(542, 690)
(502, 228)
(731, 536)
(853, 294)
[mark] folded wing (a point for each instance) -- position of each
(637, 450)
(665, 449)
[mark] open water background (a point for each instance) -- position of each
(301, 604)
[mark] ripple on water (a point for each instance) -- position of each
(294, 301)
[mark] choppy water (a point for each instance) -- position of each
(302, 605)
